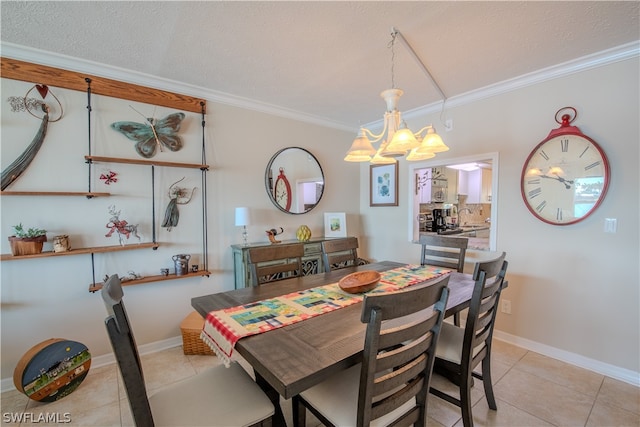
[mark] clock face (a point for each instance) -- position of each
(565, 178)
(282, 191)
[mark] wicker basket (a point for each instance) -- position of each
(191, 327)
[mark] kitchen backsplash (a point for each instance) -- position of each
(472, 213)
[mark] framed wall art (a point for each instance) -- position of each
(383, 185)
(335, 224)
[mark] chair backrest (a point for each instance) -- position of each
(126, 352)
(339, 253)
(444, 251)
(275, 262)
(398, 355)
(483, 308)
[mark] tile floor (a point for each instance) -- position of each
(532, 390)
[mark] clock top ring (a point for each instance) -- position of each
(565, 117)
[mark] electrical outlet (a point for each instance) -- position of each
(506, 306)
(610, 225)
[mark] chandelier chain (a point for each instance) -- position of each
(393, 56)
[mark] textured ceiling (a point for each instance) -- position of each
(326, 59)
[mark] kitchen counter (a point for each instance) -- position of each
(478, 235)
(479, 243)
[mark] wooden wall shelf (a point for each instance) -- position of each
(149, 279)
(80, 251)
(75, 80)
(90, 159)
(28, 72)
(88, 195)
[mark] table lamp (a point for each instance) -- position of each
(242, 219)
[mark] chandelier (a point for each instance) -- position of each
(396, 139)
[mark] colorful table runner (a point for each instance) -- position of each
(223, 328)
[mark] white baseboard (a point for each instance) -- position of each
(107, 359)
(615, 372)
(612, 371)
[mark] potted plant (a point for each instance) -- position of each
(27, 242)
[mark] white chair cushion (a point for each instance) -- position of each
(218, 396)
(450, 343)
(337, 399)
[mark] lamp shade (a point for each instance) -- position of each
(415, 156)
(242, 216)
(361, 146)
(432, 143)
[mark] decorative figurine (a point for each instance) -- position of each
(178, 196)
(121, 227)
(19, 165)
(273, 233)
(109, 177)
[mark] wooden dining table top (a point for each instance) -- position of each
(295, 357)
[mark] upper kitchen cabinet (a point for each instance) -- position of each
(452, 185)
(476, 185)
(432, 185)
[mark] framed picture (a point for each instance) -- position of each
(383, 185)
(335, 224)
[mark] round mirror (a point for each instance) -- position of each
(294, 180)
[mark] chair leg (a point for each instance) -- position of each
(456, 319)
(486, 381)
(465, 400)
(299, 412)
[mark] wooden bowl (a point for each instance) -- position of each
(358, 282)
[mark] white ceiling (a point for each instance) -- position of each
(328, 60)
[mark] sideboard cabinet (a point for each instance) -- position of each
(311, 262)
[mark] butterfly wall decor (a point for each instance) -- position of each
(153, 134)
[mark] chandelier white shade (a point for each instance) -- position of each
(396, 139)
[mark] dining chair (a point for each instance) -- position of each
(444, 251)
(392, 381)
(275, 262)
(217, 396)
(339, 253)
(460, 350)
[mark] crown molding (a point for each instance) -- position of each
(37, 56)
(600, 59)
(606, 57)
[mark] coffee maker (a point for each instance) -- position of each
(439, 220)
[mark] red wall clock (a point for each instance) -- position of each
(566, 176)
(282, 191)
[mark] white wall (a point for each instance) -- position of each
(572, 288)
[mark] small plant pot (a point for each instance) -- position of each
(26, 245)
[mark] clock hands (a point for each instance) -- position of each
(561, 179)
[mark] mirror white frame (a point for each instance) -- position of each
(414, 205)
(305, 179)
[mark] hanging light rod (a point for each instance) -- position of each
(415, 56)
(396, 139)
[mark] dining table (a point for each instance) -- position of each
(293, 358)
